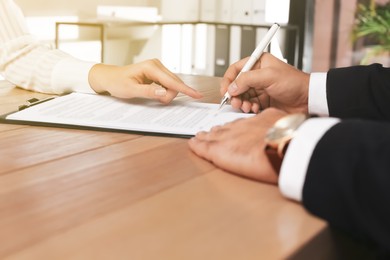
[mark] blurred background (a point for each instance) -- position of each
(205, 36)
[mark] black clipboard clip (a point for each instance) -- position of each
(34, 101)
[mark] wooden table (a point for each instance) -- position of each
(77, 194)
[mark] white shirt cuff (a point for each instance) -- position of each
(318, 103)
(71, 75)
(296, 161)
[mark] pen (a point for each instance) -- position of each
(255, 56)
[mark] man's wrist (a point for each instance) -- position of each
(296, 160)
(279, 136)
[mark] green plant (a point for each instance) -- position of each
(373, 23)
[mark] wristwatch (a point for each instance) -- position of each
(279, 136)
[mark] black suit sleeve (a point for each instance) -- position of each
(348, 180)
(359, 92)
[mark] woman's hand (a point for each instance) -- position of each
(147, 79)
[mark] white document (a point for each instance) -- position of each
(97, 111)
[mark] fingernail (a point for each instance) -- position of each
(233, 87)
(161, 92)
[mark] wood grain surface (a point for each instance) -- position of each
(79, 194)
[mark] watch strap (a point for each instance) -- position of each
(275, 157)
(275, 153)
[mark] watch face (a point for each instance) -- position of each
(285, 128)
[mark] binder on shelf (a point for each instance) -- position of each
(222, 41)
(208, 10)
(248, 40)
(242, 12)
(224, 11)
(179, 10)
(258, 16)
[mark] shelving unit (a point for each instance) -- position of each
(219, 57)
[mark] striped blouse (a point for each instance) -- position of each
(32, 65)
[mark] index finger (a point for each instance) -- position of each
(161, 75)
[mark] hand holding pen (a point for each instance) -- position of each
(255, 56)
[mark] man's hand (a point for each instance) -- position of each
(147, 79)
(271, 83)
(238, 147)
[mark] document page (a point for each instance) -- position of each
(176, 118)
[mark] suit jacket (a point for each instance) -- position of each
(348, 178)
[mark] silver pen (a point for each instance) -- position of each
(255, 56)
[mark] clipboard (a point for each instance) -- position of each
(136, 116)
